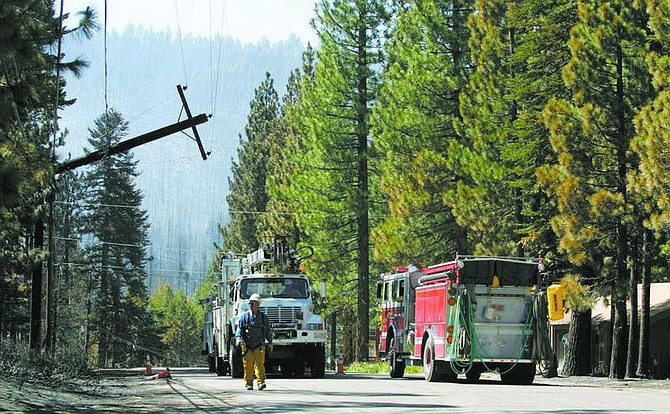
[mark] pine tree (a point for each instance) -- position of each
(650, 182)
(248, 196)
(117, 228)
(428, 63)
(591, 135)
(29, 75)
(502, 142)
(284, 142)
(332, 185)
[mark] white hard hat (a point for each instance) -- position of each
(255, 297)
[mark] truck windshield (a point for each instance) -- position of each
(278, 288)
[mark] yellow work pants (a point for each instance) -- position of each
(253, 360)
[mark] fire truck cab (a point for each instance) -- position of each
(468, 316)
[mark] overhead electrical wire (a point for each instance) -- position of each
(152, 247)
(112, 267)
(181, 43)
(215, 89)
(105, 58)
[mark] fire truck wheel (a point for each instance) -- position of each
(430, 366)
(520, 374)
(397, 368)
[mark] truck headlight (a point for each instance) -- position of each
(314, 326)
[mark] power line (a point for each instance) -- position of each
(253, 212)
(105, 58)
(171, 249)
(85, 204)
(181, 43)
(112, 267)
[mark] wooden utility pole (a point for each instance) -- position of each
(36, 293)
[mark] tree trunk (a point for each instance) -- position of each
(363, 237)
(643, 352)
(578, 352)
(622, 140)
(619, 341)
(633, 327)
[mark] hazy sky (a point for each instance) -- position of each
(246, 20)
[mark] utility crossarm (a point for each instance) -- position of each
(131, 143)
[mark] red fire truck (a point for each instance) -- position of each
(471, 315)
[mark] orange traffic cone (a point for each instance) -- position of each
(148, 371)
(340, 367)
(165, 373)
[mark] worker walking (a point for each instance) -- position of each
(253, 330)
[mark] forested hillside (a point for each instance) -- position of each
(184, 195)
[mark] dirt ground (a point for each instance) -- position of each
(124, 391)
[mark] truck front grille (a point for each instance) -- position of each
(281, 315)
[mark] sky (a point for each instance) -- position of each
(248, 21)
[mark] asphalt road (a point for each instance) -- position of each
(363, 393)
(195, 390)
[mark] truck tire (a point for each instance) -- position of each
(218, 362)
(235, 358)
(211, 362)
(396, 368)
(434, 370)
(520, 374)
(318, 363)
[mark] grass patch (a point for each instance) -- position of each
(378, 368)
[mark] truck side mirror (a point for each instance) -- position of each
(380, 286)
(401, 289)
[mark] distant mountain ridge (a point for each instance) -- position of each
(184, 195)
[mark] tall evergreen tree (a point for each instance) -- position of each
(414, 117)
(650, 184)
(332, 186)
(117, 228)
(591, 135)
(282, 143)
(248, 196)
(503, 141)
(29, 70)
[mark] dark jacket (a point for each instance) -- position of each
(254, 330)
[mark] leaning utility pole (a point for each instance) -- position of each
(50, 306)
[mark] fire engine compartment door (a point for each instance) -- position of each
(502, 304)
(499, 341)
(431, 314)
(500, 318)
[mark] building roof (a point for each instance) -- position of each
(659, 302)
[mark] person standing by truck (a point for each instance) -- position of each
(253, 331)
